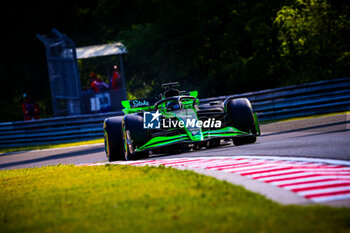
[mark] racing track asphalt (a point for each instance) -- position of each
(321, 137)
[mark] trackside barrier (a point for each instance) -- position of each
(273, 104)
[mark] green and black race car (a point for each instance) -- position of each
(176, 121)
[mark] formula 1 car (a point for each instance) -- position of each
(177, 120)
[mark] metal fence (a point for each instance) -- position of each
(63, 73)
(273, 104)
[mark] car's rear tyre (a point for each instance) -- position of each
(133, 130)
(241, 116)
(113, 138)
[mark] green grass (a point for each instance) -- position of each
(305, 117)
(115, 198)
(51, 146)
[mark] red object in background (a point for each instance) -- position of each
(30, 109)
(94, 86)
(115, 79)
(97, 84)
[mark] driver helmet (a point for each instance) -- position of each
(172, 106)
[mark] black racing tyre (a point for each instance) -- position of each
(133, 130)
(113, 138)
(241, 116)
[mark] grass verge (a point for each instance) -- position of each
(51, 146)
(305, 117)
(115, 198)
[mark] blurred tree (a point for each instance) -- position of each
(314, 37)
(217, 47)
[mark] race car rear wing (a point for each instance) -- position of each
(139, 105)
(133, 106)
